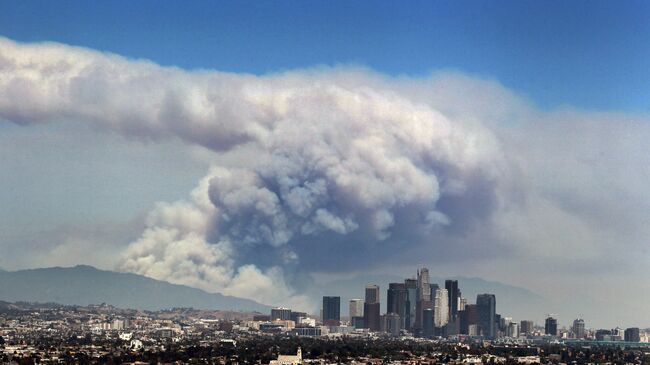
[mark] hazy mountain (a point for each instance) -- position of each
(512, 301)
(84, 285)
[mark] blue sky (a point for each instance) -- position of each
(587, 54)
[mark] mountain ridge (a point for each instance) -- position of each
(86, 285)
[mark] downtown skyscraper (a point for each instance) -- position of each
(331, 311)
(578, 328)
(440, 308)
(411, 303)
(356, 313)
(423, 296)
(397, 301)
(371, 308)
(356, 308)
(486, 312)
(454, 297)
(550, 326)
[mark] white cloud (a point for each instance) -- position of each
(345, 169)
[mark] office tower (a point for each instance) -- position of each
(468, 317)
(280, 314)
(371, 316)
(356, 313)
(462, 302)
(427, 322)
(486, 310)
(421, 306)
(356, 308)
(411, 303)
(396, 301)
(513, 330)
(578, 328)
(371, 308)
(390, 323)
(454, 295)
(424, 285)
(440, 308)
(550, 326)
(423, 296)
(372, 293)
(331, 311)
(526, 327)
(632, 335)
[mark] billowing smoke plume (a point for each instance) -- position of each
(328, 161)
(317, 170)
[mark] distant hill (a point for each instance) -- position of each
(85, 285)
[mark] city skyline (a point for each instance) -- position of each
(274, 151)
(435, 317)
(105, 334)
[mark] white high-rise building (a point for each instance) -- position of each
(440, 308)
(356, 308)
(462, 302)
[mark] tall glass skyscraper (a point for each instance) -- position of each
(372, 293)
(397, 301)
(424, 287)
(579, 328)
(371, 309)
(411, 302)
(331, 311)
(550, 326)
(453, 295)
(486, 310)
(632, 335)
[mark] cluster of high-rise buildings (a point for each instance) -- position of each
(419, 307)
(424, 309)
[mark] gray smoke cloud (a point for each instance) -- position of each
(331, 169)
